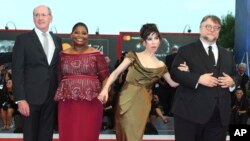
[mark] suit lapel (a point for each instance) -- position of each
(37, 42)
(203, 55)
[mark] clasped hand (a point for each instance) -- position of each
(209, 80)
(183, 67)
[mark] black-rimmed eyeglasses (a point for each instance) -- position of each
(210, 27)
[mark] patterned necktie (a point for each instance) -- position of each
(211, 55)
(45, 43)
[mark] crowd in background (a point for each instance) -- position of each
(7, 103)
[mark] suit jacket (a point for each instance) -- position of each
(34, 79)
(198, 103)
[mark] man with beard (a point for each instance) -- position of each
(202, 100)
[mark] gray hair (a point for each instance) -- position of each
(50, 12)
(244, 65)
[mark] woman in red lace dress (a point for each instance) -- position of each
(83, 70)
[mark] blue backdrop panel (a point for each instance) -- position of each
(242, 31)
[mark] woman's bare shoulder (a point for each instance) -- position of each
(161, 63)
(68, 50)
(93, 50)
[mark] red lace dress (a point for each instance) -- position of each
(79, 111)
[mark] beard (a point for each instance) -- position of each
(209, 39)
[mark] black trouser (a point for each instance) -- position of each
(40, 124)
(213, 130)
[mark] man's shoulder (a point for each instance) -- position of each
(190, 46)
(225, 51)
(55, 36)
(245, 75)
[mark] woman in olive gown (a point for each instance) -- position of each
(144, 69)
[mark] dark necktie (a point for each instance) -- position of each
(211, 55)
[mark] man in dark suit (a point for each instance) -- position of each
(202, 101)
(243, 78)
(35, 58)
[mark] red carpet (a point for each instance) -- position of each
(18, 137)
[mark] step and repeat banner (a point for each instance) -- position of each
(105, 43)
(131, 41)
(110, 45)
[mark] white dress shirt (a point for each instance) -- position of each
(51, 47)
(214, 49)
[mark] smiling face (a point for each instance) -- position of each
(80, 36)
(42, 18)
(152, 42)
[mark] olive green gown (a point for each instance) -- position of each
(135, 99)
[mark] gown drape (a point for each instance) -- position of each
(135, 99)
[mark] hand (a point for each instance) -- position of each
(225, 81)
(23, 108)
(208, 80)
(164, 119)
(103, 96)
(183, 67)
(156, 98)
(234, 107)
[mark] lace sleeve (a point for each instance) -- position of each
(102, 67)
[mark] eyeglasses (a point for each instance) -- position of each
(41, 15)
(210, 27)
